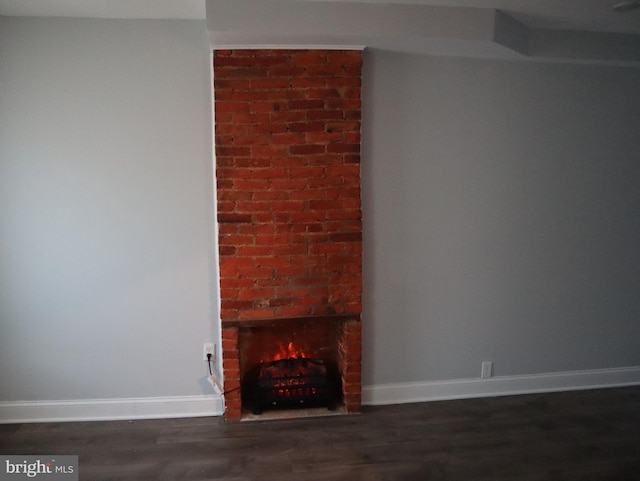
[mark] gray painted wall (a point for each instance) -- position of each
(500, 212)
(106, 209)
(501, 215)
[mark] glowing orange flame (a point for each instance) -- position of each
(288, 352)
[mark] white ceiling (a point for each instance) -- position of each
(589, 15)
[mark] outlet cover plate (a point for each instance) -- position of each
(487, 369)
(209, 348)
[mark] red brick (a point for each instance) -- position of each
(257, 314)
(256, 273)
(254, 250)
(269, 260)
(281, 301)
(251, 140)
(234, 218)
(345, 57)
(306, 104)
(267, 128)
(324, 205)
(229, 332)
(230, 364)
(233, 283)
(351, 93)
(306, 194)
(292, 311)
(269, 195)
(229, 344)
(223, 106)
(228, 293)
(238, 261)
(235, 239)
(353, 354)
(232, 376)
(240, 72)
(323, 183)
(250, 117)
(253, 207)
(353, 377)
(289, 138)
(316, 83)
(225, 207)
(232, 399)
(273, 239)
(346, 105)
(242, 186)
(300, 172)
(345, 126)
(291, 184)
(352, 401)
(309, 57)
(345, 237)
(288, 206)
(322, 93)
(257, 293)
(307, 149)
(223, 118)
(233, 150)
(288, 271)
(286, 70)
(222, 84)
(343, 148)
(230, 129)
(272, 150)
(255, 229)
(226, 250)
(325, 115)
(235, 304)
(307, 126)
(270, 83)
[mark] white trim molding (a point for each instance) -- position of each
(111, 409)
(283, 46)
(410, 392)
(381, 394)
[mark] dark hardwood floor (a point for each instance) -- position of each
(585, 435)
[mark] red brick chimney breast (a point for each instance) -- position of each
(287, 148)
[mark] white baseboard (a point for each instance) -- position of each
(111, 409)
(410, 392)
(397, 393)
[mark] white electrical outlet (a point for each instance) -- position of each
(209, 348)
(487, 369)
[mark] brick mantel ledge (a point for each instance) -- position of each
(277, 321)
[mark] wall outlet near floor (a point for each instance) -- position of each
(209, 348)
(487, 369)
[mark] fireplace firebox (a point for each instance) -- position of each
(276, 364)
(291, 383)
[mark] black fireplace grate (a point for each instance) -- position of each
(290, 383)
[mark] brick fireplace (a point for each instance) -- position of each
(287, 143)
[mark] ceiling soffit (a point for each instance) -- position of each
(428, 29)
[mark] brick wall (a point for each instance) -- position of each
(287, 136)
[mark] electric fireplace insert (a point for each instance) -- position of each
(291, 383)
